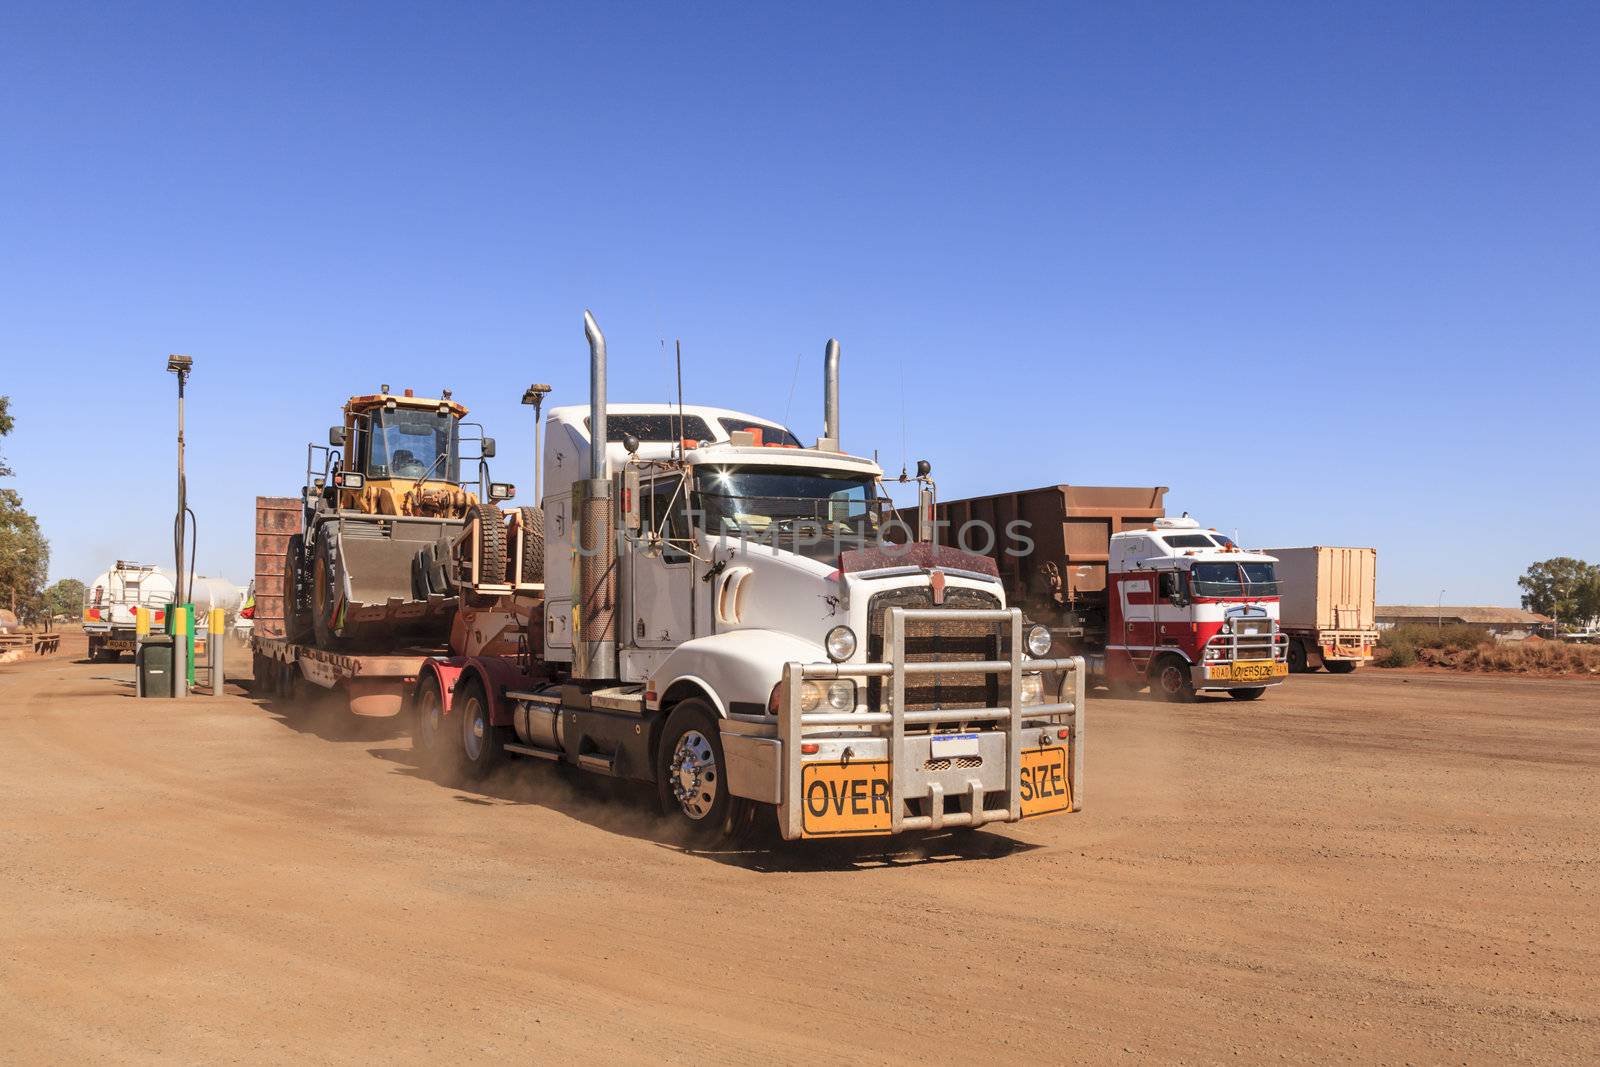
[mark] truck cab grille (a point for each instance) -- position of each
(935, 642)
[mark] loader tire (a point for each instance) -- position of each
(327, 580)
(491, 544)
(532, 544)
(296, 617)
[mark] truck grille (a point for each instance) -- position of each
(934, 642)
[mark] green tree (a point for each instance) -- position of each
(64, 598)
(1564, 588)
(24, 553)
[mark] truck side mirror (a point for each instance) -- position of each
(488, 448)
(336, 436)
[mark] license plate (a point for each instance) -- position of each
(1046, 786)
(951, 746)
(844, 799)
(1250, 671)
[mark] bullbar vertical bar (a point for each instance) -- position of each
(789, 730)
(1013, 723)
(897, 716)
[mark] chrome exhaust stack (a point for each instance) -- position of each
(830, 398)
(594, 646)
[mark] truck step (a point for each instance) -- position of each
(529, 750)
(592, 761)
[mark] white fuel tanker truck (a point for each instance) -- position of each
(717, 610)
(109, 602)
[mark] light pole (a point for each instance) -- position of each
(180, 365)
(535, 396)
(1440, 605)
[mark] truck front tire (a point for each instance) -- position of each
(1247, 694)
(692, 780)
(1172, 681)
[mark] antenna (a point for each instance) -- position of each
(792, 382)
(903, 449)
(678, 344)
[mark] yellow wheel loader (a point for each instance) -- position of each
(385, 512)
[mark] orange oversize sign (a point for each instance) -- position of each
(1046, 785)
(844, 799)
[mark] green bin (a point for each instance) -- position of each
(153, 665)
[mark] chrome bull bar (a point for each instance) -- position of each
(907, 780)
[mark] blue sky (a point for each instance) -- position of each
(1331, 273)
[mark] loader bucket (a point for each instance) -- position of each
(377, 561)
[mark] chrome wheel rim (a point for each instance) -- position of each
(693, 774)
(473, 729)
(430, 715)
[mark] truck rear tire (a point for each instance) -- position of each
(428, 723)
(1298, 663)
(691, 778)
(482, 743)
(1172, 681)
(1339, 666)
(1247, 694)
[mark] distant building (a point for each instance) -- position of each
(1504, 624)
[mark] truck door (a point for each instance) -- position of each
(663, 580)
(1138, 600)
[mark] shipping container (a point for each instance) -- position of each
(1328, 597)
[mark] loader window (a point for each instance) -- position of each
(411, 444)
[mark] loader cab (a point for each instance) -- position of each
(402, 455)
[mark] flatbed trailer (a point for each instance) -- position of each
(373, 685)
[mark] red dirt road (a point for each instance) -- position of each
(1385, 866)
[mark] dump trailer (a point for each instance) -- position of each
(1329, 597)
(718, 615)
(292, 665)
(1145, 599)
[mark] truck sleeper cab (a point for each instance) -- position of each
(765, 651)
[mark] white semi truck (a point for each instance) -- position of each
(716, 611)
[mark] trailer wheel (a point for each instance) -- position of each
(1172, 680)
(1297, 657)
(1339, 666)
(482, 743)
(1247, 694)
(691, 777)
(427, 727)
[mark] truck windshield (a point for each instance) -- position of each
(410, 443)
(813, 512)
(1234, 579)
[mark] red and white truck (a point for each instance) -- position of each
(1145, 599)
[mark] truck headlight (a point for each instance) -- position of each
(1038, 641)
(1032, 690)
(838, 695)
(841, 643)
